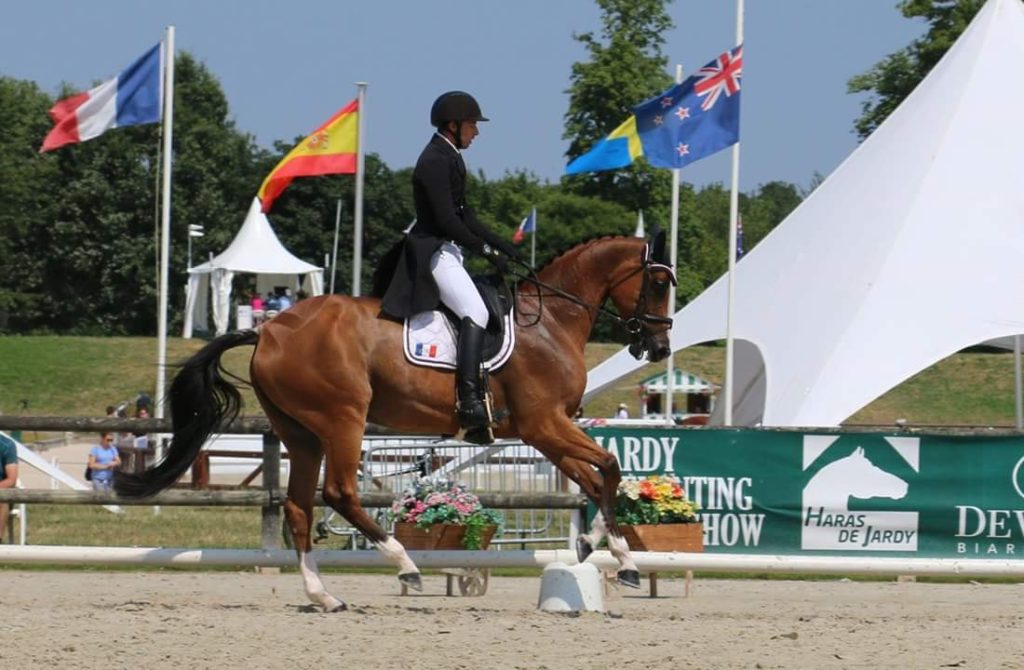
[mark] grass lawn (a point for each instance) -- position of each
(80, 376)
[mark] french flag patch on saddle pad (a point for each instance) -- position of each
(429, 339)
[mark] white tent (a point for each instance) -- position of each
(254, 250)
(910, 251)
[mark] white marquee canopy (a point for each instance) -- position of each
(910, 251)
(255, 250)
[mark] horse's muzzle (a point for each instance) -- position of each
(658, 352)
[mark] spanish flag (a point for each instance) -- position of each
(330, 149)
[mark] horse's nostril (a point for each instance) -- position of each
(660, 353)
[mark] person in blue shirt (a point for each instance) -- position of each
(8, 476)
(103, 461)
(284, 301)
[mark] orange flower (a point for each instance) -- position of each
(648, 490)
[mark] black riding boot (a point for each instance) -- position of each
(472, 407)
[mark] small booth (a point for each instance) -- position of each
(693, 397)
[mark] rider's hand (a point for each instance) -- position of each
(497, 259)
(509, 250)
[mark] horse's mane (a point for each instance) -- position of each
(588, 241)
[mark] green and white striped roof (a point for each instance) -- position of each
(685, 382)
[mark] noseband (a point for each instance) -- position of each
(634, 325)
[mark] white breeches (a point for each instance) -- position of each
(457, 290)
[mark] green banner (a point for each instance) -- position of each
(781, 492)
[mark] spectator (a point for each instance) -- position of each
(140, 449)
(623, 412)
(284, 300)
(257, 309)
(8, 477)
(143, 402)
(272, 304)
(103, 460)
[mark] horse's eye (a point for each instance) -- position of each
(659, 286)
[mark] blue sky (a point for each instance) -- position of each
(287, 66)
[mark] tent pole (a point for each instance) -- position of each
(1018, 395)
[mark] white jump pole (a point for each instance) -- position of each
(645, 561)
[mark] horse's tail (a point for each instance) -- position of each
(202, 402)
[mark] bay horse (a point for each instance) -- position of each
(325, 367)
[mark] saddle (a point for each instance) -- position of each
(431, 338)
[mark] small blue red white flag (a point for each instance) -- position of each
(739, 238)
(132, 98)
(528, 225)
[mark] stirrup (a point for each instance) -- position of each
(482, 434)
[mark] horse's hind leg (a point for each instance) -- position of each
(304, 471)
(343, 453)
(298, 509)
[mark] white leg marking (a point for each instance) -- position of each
(598, 529)
(619, 548)
(393, 550)
(315, 589)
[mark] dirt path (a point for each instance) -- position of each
(107, 621)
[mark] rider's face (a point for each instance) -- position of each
(467, 132)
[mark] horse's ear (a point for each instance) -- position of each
(658, 252)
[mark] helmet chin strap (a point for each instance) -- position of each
(458, 135)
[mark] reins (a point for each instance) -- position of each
(632, 325)
(531, 278)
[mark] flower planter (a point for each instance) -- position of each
(665, 537)
(440, 536)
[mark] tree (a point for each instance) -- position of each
(86, 256)
(626, 67)
(27, 196)
(892, 79)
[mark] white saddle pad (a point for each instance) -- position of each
(429, 339)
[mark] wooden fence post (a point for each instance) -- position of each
(271, 527)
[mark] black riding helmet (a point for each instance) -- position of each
(457, 106)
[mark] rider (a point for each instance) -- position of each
(429, 269)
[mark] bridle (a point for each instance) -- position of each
(633, 325)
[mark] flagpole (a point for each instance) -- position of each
(357, 233)
(674, 248)
(734, 202)
(165, 228)
(334, 257)
(533, 241)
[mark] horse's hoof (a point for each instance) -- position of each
(583, 549)
(630, 578)
(412, 580)
(340, 607)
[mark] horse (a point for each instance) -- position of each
(325, 367)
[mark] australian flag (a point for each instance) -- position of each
(696, 118)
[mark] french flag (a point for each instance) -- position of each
(528, 225)
(132, 98)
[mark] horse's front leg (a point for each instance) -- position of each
(578, 460)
